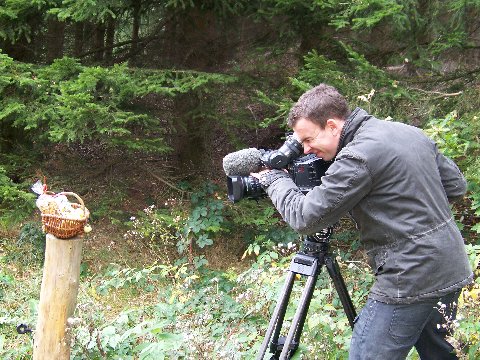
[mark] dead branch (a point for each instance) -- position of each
(169, 184)
(441, 95)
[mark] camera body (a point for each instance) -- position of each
(306, 171)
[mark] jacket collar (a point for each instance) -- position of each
(354, 121)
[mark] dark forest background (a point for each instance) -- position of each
(133, 104)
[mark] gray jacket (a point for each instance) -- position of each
(396, 185)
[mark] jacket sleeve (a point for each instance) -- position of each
(453, 181)
(345, 183)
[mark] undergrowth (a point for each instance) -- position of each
(173, 309)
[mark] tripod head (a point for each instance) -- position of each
(318, 243)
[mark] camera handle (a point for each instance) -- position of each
(316, 252)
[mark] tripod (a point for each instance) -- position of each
(308, 263)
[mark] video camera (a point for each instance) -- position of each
(306, 171)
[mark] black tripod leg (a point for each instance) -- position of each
(334, 272)
(293, 337)
(278, 314)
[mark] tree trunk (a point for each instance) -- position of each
(54, 40)
(78, 41)
(137, 5)
(110, 37)
(99, 42)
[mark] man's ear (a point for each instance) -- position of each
(335, 126)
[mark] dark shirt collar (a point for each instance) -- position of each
(355, 120)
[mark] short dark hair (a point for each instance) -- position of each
(319, 104)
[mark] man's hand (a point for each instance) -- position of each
(267, 177)
(260, 173)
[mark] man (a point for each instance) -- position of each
(396, 186)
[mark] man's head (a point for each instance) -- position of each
(317, 120)
(319, 104)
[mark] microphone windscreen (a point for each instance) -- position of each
(242, 162)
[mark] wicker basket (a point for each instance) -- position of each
(62, 227)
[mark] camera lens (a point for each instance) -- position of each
(243, 186)
(235, 188)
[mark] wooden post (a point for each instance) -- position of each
(58, 298)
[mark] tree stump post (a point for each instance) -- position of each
(58, 298)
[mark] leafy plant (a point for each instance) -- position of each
(15, 202)
(457, 139)
(204, 221)
(31, 241)
(271, 240)
(449, 140)
(156, 228)
(191, 229)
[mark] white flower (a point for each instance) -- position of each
(367, 97)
